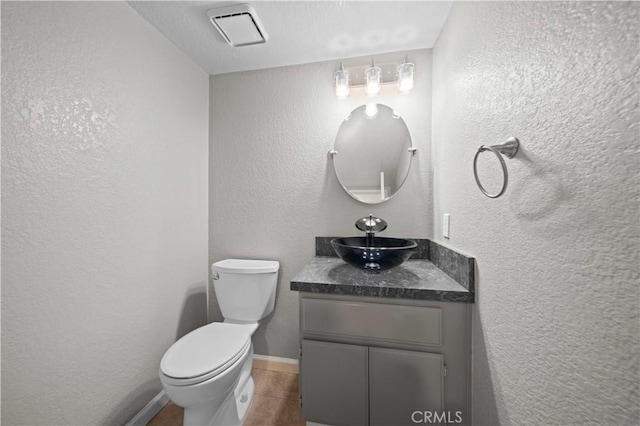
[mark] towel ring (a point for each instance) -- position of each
(508, 149)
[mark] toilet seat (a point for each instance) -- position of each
(204, 353)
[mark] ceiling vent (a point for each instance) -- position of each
(238, 24)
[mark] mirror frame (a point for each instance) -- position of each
(411, 150)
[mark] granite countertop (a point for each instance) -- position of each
(434, 272)
(414, 279)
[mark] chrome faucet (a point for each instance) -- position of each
(370, 225)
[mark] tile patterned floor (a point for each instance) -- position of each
(275, 402)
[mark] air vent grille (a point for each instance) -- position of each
(238, 24)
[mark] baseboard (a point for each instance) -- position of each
(150, 410)
(276, 363)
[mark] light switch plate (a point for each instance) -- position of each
(445, 225)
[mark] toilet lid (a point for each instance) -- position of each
(205, 350)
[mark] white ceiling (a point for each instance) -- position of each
(299, 31)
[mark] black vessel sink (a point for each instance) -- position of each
(373, 254)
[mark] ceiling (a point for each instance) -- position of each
(299, 31)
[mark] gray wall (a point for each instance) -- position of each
(273, 188)
(104, 209)
(555, 337)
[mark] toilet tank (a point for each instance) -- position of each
(245, 289)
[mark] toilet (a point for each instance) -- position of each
(208, 371)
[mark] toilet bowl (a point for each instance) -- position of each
(202, 370)
(208, 371)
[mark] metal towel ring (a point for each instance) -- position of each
(509, 149)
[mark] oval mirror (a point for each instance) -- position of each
(372, 153)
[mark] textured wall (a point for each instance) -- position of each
(273, 187)
(104, 219)
(556, 321)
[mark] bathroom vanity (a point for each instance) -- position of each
(391, 348)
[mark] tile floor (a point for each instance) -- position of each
(275, 402)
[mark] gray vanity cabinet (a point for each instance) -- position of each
(360, 385)
(402, 382)
(334, 379)
(380, 362)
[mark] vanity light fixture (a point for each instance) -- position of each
(342, 82)
(373, 78)
(405, 76)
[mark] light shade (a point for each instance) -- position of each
(405, 77)
(342, 82)
(373, 78)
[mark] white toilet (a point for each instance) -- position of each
(208, 371)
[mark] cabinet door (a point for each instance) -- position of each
(402, 383)
(334, 383)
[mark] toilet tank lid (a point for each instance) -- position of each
(246, 266)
